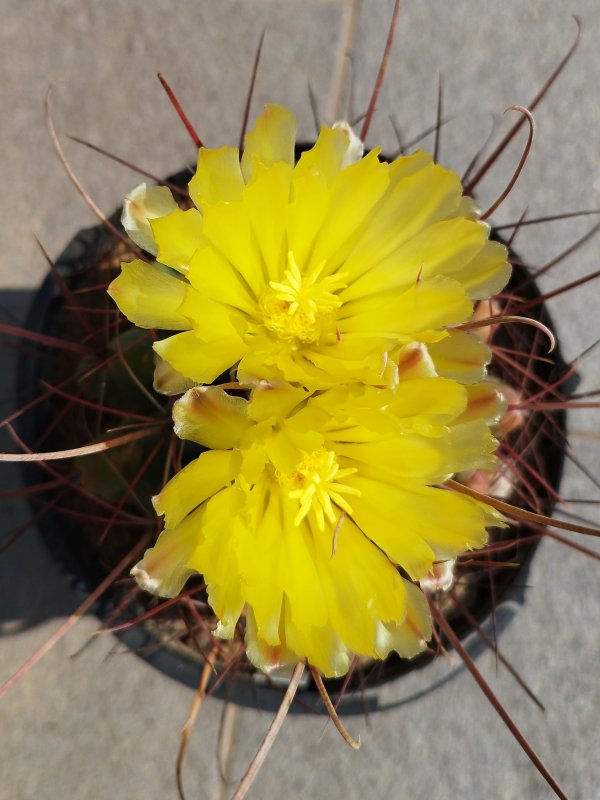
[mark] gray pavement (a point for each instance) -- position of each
(104, 724)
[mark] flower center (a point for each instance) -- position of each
(315, 484)
(301, 307)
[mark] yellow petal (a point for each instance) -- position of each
(412, 203)
(307, 210)
(283, 452)
(326, 156)
(299, 577)
(413, 361)
(167, 380)
(405, 166)
(408, 457)
(216, 554)
(214, 278)
(211, 417)
(195, 483)
(440, 249)
(197, 359)
(272, 139)
(448, 522)
(471, 444)
(355, 191)
(164, 570)
(360, 585)
(485, 401)
(218, 177)
(275, 399)
(228, 603)
(241, 249)
(266, 200)
(427, 306)
(266, 657)
(321, 646)
(216, 558)
(353, 359)
(487, 273)
(438, 399)
(149, 296)
(210, 317)
(410, 637)
(469, 208)
(460, 356)
(254, 457)
(178, 236)
(383, 524)
(142, 204)
(259, 554)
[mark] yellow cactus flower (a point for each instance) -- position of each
(333, 286)
(306, 505)
(316, 272)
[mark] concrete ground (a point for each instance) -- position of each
(105, 726)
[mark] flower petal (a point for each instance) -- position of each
(384, 526)
(321, 646)
(355, 149)
(197, 359)
(448, 522)
(164, 570)
(409, 638)
(485, 402)
(149, 296)
(260, 558)
(300, 578)
(241, 250)
(355, 191)
(275, 399)
(142, 204)
(308, 208)
(325, 158)
(460, 356)
(272, 139)
(409, 457)
(438, 399)
(443, 248)
(414, 201)
(167, 380)
(216, 557)
(266, 200)
(178, 236)
(214, 278)
(418, 312)
(470, 443)
(218, 177)
(211, 417)
(487, 273)
(195, 483)
(413, 361)
(266, 657)
(361, 585)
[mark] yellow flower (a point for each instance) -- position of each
(315, 273)
(332, 286)
(305, 505)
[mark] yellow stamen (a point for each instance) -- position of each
(301, 307)
(315, 484)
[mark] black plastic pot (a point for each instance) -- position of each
(81, 568)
